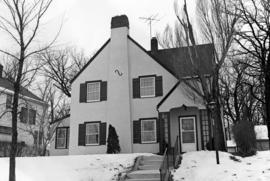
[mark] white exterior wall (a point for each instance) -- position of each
(143, 64)
(56, 152)
(23, 129)
(84, 112)
(116, 109)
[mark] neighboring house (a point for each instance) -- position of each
(60, 136)
(140, 94)
(31, 114)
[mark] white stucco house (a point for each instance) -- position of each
(31, 112)
(139, 93)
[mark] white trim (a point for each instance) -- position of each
(98, 133)
(154, 85)
(188, 146)
(155, 130)
(65, 138)
(94, 100)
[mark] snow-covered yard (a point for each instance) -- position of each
(69, 168)
(201, 166)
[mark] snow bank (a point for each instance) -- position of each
(202, 166)
(261, 131)
(69, 168)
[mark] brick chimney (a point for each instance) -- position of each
(119, 21)
(1, 70)
(154, 45)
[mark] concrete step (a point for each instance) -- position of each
(150, 162)
(149, 167)
(154, 157)
(144, 174)
(143, 179)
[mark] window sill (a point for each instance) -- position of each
(149, 142)
(97, 144)
(148, 96)
(93, 101)
(61, 148)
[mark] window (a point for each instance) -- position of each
(61, 137)
(92, 133)
(148, 131)
(147, 87)
(9, 101)
(93, 91)
(28, 115)
(5, 130)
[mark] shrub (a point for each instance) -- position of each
(245, 138)
(113, 141)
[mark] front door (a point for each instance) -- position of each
(188, 134)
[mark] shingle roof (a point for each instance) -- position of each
(7, 84)
(177, 60)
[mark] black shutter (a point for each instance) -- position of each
(103, 91)
(137, 131)
(32, 116)
(158, 130)
(56, 133)
(136, 88)
(159, 87)
(23, 115)
(81, 135)
(102, 132)
(67, 138)
(83, 92)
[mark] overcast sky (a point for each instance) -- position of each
(86, 23)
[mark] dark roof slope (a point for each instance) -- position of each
(177, 60)
(7, 84)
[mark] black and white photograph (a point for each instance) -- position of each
(134, 90)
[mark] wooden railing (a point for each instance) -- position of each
(164, 167)
(176, 153)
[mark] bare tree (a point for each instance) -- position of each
(240, 102)
(218, 27)
(254, 40)
(62, 65)
(21, 22)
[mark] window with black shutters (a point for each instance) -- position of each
(92, 133)
(93, 91)
(147, 86)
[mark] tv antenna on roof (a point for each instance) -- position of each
(149, 20)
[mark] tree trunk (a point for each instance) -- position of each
(13, 151)
(267, 96)
(217, 113)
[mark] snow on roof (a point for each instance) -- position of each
(261, 132)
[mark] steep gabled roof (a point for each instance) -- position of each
(177, 60)
(174, 60)
(7, 84)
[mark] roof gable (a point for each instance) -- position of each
(7, 84)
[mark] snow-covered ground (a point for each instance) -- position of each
(69, 168)
(201, 166)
